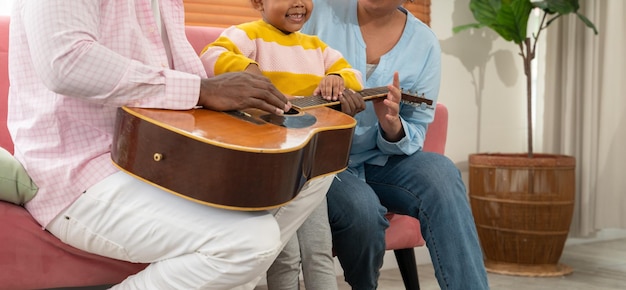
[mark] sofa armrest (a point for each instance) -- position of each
(5, 139)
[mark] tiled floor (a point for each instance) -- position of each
(599, 265)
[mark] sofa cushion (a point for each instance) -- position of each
(15, 184)
(32, 258)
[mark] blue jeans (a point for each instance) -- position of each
(424, 185)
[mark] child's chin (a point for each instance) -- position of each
(291, 28)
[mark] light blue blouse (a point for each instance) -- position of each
(417, 58)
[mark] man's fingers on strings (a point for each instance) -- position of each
(270, 103)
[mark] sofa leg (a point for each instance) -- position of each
(408, 268)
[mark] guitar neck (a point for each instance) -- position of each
(367, 94)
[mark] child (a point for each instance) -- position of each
(298, 65)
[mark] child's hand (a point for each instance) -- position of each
(330, 88)
(254, 69)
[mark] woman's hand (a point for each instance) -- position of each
(241, 90)
(388, 112)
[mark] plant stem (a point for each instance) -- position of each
(528, 55)
(527, 51)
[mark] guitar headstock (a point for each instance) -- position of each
(415, 100)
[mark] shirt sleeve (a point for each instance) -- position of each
(228, 53)
(70, 60)
(416, 117)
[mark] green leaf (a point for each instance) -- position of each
(485, 11)
(508, 18)
(587, 22)
(558, 6)
(564, 7)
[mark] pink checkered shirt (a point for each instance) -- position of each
(71, 65)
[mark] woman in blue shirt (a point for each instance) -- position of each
(388, 169)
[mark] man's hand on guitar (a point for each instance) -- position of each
(351, 102)
(241, 90)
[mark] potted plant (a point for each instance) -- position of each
(522, 202)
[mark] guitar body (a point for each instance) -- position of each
(243, 160)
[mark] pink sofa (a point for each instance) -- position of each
(31, 258)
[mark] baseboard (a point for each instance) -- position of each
(601, 235)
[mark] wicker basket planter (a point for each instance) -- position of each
(523, 209)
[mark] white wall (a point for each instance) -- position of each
(5, 7)
(483, 86)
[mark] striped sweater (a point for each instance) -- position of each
(295, 62)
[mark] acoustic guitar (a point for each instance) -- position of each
(241, 160)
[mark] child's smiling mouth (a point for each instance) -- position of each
(296, 17)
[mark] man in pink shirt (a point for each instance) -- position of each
(71, 65)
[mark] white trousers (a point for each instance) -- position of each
(188, 245)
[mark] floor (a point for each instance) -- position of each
(599, 265)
